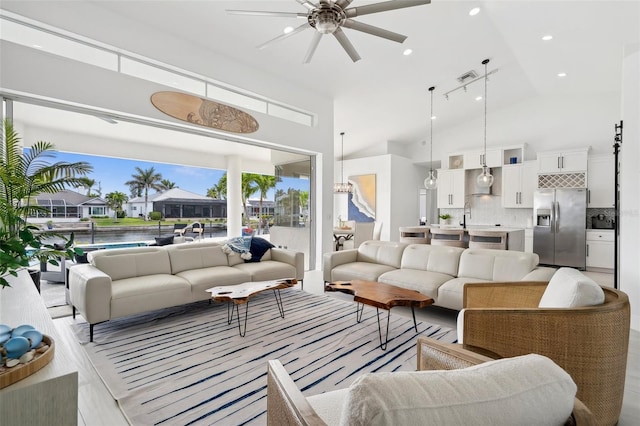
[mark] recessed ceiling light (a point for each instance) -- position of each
(547, 37)
(562, 74)
(478, 98)
(407, 52)
(474, 11)
(37, 46)
(433, 117)
(287, 30)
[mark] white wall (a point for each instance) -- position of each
(630, 190)
(397, 184)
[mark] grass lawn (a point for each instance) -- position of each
(136, 221)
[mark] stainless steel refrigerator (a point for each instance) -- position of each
(559, 226)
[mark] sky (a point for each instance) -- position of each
(111, 174)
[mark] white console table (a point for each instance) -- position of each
(50, 395)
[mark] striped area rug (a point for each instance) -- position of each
(186, 365)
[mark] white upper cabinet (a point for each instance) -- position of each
(473, 159)
(451, 189)
(519, 184)
(563, 161)
(600, 181)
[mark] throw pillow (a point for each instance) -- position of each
(258, 248)
(529, 389)
(570, 288)
(238, 245)
(164, 241)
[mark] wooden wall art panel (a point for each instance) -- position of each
(203, 112)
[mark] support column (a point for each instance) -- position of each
(234, 196)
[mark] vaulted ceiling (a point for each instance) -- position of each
(383, 98)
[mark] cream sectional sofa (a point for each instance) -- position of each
(436, 271)
(121, 282)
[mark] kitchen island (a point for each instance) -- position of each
(514, 236)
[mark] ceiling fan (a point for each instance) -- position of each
(329, 17)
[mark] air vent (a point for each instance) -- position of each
(469, 75)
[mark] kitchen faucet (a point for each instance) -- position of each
(466, 210)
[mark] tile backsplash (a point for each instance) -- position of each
(488, 210)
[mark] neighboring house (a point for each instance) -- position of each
(268, 207)
(177, 203)
(69, 204)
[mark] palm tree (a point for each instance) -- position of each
(219, 190)
(86, 183)
(248, 189)
(263, 183)
(143, 181)
(22, 177)
(304, 203)
(115, 200)
(166, 184)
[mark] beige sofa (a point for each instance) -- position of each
(436, 271)
(121, 282)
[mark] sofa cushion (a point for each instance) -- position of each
(131, 262)
(496, 265)
(426, 282)
(569, 288)
(381, 252)
(146, 293)
(359, 271)
(203, 278)
(238, 245)
(267, 270)
(186, 257)
(426, 257)
(258, 247)
(450, 294)
(328, 405)
(529, 389)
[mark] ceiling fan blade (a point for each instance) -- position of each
(376, 31)
(312, 47)
(265, 13)
(343, 3)
(283, 36)
(383, 7)
(346, 44)
(307, 4)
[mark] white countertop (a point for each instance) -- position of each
(483, 227)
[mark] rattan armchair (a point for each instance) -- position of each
(590, 343)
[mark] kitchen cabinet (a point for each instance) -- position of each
(473, 159)
(600, 248)
(450, 188)
(562, 161)
(519, 182)
(600, 181)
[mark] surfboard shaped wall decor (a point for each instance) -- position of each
(203, 112)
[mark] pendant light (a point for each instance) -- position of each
(342, 187)
(431, 182)
(485, 179)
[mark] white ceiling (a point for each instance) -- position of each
(383, 98)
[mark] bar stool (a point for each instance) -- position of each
(414, 234)
(448, 237)
(487, 239)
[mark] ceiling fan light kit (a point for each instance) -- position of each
(329, 17)
(485, 179)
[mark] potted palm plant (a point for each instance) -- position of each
(23, 176)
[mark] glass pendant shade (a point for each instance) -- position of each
(484, 179)
(431, 182)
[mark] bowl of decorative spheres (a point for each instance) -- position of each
(4, 328)
(21, 329)
(16, 347)
(34, 336)
(4, 337)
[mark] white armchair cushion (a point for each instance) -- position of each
(525, 390)
(570, 288)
